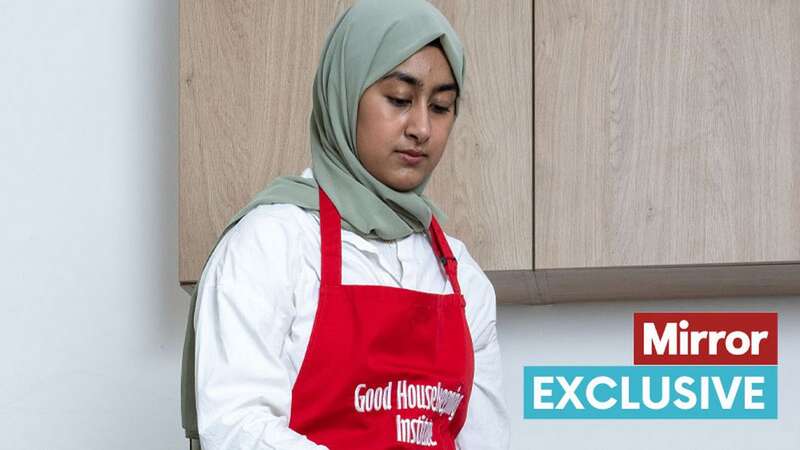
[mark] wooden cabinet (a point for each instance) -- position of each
(667, 150)
(245, 98)
(612, 149)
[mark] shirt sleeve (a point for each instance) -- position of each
(487, 424)
(244, 311)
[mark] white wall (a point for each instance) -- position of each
(588, 334)
(91, 319)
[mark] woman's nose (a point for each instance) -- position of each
(419, 124)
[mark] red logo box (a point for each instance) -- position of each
(713, 338)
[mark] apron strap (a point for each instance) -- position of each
(443, 253)
(331, 246)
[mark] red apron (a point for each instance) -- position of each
(385, 367)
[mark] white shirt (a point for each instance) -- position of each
(256, 302)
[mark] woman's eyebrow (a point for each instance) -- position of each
(416, 82)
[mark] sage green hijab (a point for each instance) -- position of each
(367, 41)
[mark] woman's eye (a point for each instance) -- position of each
(441, 109)
(402, 103)
(398, 101)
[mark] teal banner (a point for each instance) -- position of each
(650, 392)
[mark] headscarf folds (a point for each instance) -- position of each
(366, 42)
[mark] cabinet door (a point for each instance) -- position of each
(666, 136)
(245, 98)
(667, 132)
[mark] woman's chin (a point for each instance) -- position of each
(404, 182)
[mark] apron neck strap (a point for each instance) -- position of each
(330, 224)
(331, 245)
(443, 253)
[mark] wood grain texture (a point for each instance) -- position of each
(247, 69)
(485, 179)
(666, 133)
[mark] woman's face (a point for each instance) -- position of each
(405, 118)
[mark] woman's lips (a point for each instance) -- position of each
(411, 157)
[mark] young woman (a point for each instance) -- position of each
(334, 312)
